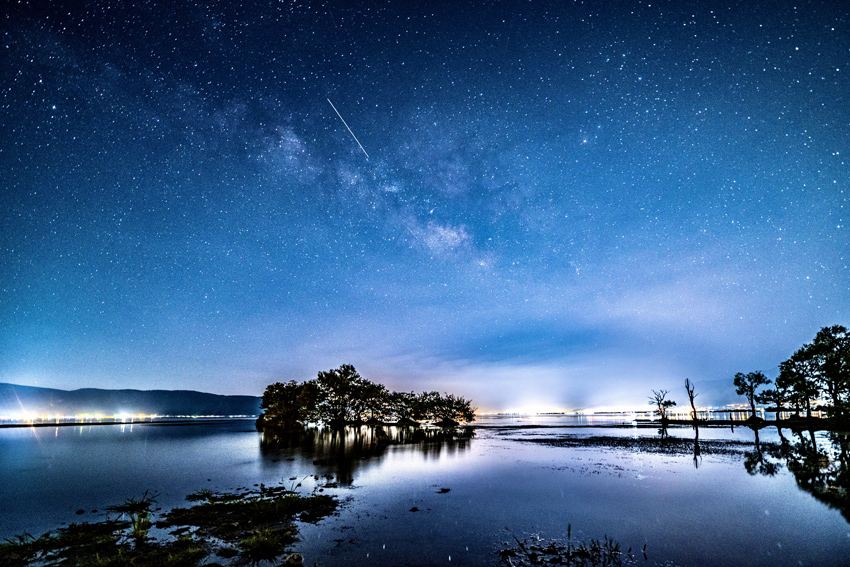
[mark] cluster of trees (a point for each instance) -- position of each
(819, 370)
(341, 396)
(663, 405)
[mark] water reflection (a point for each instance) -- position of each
(342, 452)
(823, 472)
(821, 469)
(763, 459)
(697, 453)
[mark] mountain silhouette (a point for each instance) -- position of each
(31, 400)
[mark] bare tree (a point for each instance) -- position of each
(658, 400)
(690, 388)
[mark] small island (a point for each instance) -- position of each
(341, 397)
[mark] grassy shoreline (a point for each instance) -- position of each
(239, 528)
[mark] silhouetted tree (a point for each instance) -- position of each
(691, 395)
(450, 409)
(288, 405)
(661, 404)
(426, 404)
(405, 406)
(339, 399)
(375, 401)
(798, 375)
(831, 351)
(747, 384)
(774, 398)
(341, 396)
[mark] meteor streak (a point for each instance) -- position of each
(349, 129)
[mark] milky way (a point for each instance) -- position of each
(564, 204)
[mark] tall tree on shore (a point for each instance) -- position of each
(375, 401)
(288, 404)
(339, 390)
(831, 352)
(775, 397)
(798, 376)
(450, 409)
(405, 406)
(689, 387)
(747, 385)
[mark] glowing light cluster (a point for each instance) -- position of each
(36, 417)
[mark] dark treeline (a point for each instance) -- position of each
(819, 370)
(342, 397)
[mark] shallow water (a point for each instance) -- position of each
(507, 480)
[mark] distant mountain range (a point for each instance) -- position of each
(15, 400)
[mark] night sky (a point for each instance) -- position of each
(564, 204)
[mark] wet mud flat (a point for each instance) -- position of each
(668, 445)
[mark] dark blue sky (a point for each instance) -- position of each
(564, 204)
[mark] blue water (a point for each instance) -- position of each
(499, 486)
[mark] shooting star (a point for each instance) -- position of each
(349, 129)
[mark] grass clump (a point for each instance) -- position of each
(233, 517)
(139, 511)
(18, 550)
(101, 544)
(266, 544)
(595, 553)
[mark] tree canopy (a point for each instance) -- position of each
(747, 385)
(818, 371)
(342, 396)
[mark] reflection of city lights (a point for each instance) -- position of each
(96, 417)
(33, 418)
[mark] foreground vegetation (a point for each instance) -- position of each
(342, 397)
(246, 528)
(595, 553)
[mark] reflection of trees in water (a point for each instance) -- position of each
(762, 459)
(697, 452)
(823, 470)
(344, 451)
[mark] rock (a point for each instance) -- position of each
(293, 560)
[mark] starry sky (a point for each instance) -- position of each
(548, 205)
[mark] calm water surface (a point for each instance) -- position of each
(502, 482)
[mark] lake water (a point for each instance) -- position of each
(516, 476)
